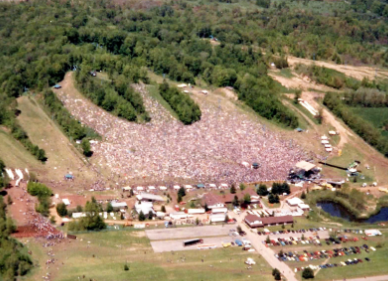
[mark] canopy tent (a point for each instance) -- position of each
(176, 187)
(200, 185)
(162, 187)
(305, 165)
(325, 142)
(140, 188)
(151, 187)
(324, 137)
(69, 177)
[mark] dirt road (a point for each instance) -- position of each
(372, 278)
(358, 72)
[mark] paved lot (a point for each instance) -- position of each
(189, 232)
(323, 234)
(177, 245)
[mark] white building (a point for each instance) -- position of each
(144, 207)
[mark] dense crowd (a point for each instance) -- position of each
(209, 150)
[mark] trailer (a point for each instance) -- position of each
(192, 242)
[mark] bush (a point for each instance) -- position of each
(38, 189)
(126, 267)
(141, 216)
(62, 209)
(163, 209)
(308, 273)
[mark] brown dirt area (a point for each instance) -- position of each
(358, 72)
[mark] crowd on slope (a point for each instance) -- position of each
(209, 150)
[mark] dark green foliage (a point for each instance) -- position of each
(93, 221)
(247, 199)
(150, 215)
(85, 144)
(308, 273)
(187, 110)
(280, 188)
(233, 189)
(273, 198)
(38, 189)
(142, 216)
(182, 191)
(109, 207)
(14, 261)
(263, 3)
(363, 128)
(235, 201)
(62, 209)
(262, 190)
(163, 209)
(71, 127)
(242, 186)
(126, 267)
(19, 134)
(3, 180)
(303, 196)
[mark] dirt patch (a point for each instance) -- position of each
(358, 72)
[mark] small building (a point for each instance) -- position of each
(126, 188)
(304, 207)
(217, 217)
(212, 201)
(196, 211)
(147, 197)
(254, 221)
(178, 215)
(219, 210)
(66, 201)
(119, 205)
(144, 207)
(294, 202)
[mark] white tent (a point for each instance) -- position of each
(176, 187)
(151, 187)
(140, 188)
(324, 137)
(127, 188)
(188, 186)
(182, 85)
(325, 142)
(212, 185)
(66, 201)
(162, 188)
(329, 149)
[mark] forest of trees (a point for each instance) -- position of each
(186, 109)
(118, 98)
(14, 259)
(362, 127)
(43, 40)
(3, 180)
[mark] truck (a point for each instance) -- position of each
(192, 242)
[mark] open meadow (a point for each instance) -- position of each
(101, 255)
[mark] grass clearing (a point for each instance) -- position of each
(102, 255)
(375, 115)
(62, 155)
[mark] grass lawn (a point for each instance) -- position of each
(42, 130)
(102, 256)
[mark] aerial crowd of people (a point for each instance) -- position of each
(210, 150)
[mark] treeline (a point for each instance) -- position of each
(365, 97)
(92, 221)
(3, 180)
(276, 190)
(328, 77)
(117, 97)
(14, 259)
(363, 128)
(71, 127)
(186, 109)
(43, 193)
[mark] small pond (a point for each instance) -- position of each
(337, 210)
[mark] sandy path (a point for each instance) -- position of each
(358, 72)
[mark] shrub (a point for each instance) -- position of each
(126, 267)
(308, 273)
(62, 209)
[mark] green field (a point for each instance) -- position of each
(102, 256)
(375, 115)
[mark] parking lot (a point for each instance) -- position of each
(177, 245)
(189, 232)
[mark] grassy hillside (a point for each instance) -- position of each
(376, 116)
(62, 155)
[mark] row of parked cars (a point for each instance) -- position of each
(331, 265)
(323, 254)
(291, 231)
(289, 241)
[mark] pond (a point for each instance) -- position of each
(337, 210)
